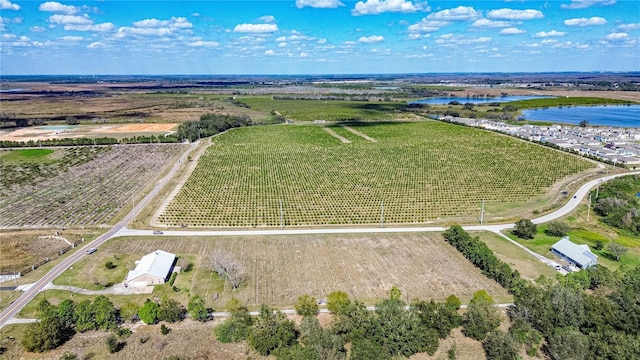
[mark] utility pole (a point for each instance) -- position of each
(382, 213)
(482, 212)
(589, 207)
(281, 216)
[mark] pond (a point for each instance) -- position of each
(481, 100)
(610, 115)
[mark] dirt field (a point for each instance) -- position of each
(23, 248)
(56, 132)
(281, 268)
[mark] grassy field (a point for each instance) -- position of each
(565, 101)
(415, 172)
(587, 233)
(328, 110)
(281, 268)
(528, 266)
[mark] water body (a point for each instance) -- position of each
(13, 90)
(482, 100)
(609, 115)
(57, 127)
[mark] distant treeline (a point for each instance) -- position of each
(90, 141)
(211, 124)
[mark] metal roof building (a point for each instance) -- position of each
(579, 255)
(152, 269)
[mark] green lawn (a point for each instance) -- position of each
(415, 172)
(581, 235)
(26, 155)
(565, 101)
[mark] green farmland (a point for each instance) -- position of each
(329, 110)
(420, 172)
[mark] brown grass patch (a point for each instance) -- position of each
(144, 127)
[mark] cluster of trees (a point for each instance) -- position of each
(228, 267)
(172, 138)
(210, 124)
(525, 229)
(392, 329)
(603, 323)
(57, 324)
(618, 205)
(482, 257)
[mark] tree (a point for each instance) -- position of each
(324, 344)
(500, 346)
(85, 316)
(338, 302)
(69, 356)
(45, 335)
(67, 313)
(395, 293)
(271, 330)
(307, 306)
(149, 312)
(105, 313)
(453, 302)
(482, 316)
(584, 123)
(442, 317)
(616, 250)
(129, 311)
(525, 229)
(568, 343)
(557, 228)
(197, 310)
(238, 326)
(228, 268)
(170, 311)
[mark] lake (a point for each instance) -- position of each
(481, 100)
(610, 115)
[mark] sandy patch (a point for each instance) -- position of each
(144, 127)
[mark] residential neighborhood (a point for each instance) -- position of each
(618, 145)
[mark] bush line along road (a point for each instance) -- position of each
(120, 229)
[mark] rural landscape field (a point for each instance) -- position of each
(200, 170)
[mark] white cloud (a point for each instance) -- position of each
(91, 27)
(374, 7)
(37, 29)
(144, 31)
(71, 38)
(282, 44)
(173, 23)
(426, 25)
(596, 20)
(581, 4)
(371, 39)
(628, 27)
(511, 31)
(454, 40)
(256, 28)
(267, 19)
(95, 45)
(511, 14)
(322, 4)
(617, 36)
(70, 19)
(269, 52)
(58, 8)
(461, 13)
(201, 43)
(544, 34)
(490, 23)
(8, 5)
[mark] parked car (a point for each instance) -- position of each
(157, 232)
(91, 250)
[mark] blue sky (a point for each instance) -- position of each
(317, 36)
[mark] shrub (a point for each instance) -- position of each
(112, 344)
(164, 330)
(109, 265)
(172, 279)
(557, 228)
(525, 229)
(307, 305)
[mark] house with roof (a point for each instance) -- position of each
(580, 255)
(151, 269)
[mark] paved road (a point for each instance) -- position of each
(120, 229)
(31, 293)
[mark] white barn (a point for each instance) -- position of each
(152, 269)
(579, 255)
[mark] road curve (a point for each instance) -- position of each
(120, 229)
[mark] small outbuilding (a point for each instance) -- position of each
(580, 255)
(152, 269)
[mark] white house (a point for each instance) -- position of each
(152, 269)
(580, 255)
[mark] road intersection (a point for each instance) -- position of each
(120, 229)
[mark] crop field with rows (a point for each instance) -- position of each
(89, 194)
(282, 268)
(330, 110)
(413, 172)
